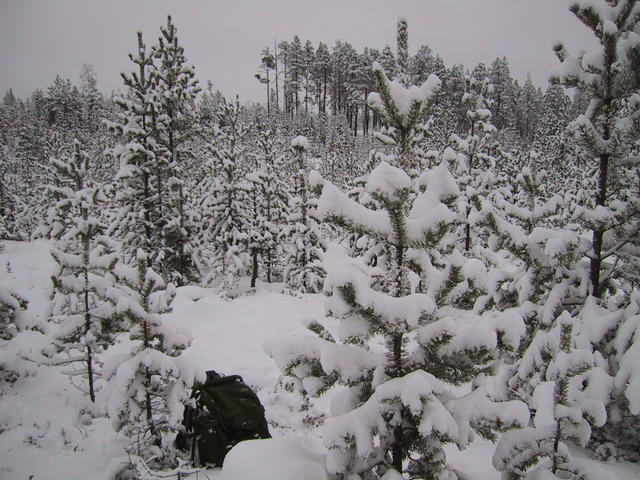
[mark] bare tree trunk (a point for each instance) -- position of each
(275, 54)
(254, 266)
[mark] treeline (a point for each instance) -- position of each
(318, 92)
(300, 77)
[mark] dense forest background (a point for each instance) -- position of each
(318, 91)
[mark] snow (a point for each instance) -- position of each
(300, 143)
(284, 458)
(44, 435)
(405, 99)
(387, 182)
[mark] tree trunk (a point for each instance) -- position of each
(355, 121)
(275, 54)
(269, 265)
(324, 91)
(598, 234)
(397, 450)
(268, 101)
(254, 266)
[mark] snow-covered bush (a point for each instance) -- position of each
(11, 304)
(570, 391)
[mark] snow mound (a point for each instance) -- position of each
(284, 458)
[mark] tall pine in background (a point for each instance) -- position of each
(174, 95)
(139, 175)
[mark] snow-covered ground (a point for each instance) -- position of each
(46, 425)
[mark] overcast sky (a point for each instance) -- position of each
(223, 39)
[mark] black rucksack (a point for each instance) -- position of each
(226, 412)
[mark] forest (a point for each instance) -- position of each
(457, 255)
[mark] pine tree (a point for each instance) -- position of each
(174, 93)
(402, 41)
(147, 387)
(92, 101)
(138, 181)
(399, 408)
(269, 200)
(608, 208)
(401, 116)
(304, 245)
(84, 285)
(223, 205)
(503, 95)
(570, 391)
(529, 109)
(473, 159)
(267, 63)
(549, 138)
(608, 127)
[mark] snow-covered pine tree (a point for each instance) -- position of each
(399, 116)
(11, 304)
(569, 395)
(84, 284)
(473, 162)
(608, 128)
(399, 405)
(174, 94)
(148, 386)
(610, 207)
(137, 187)
(550, 135)
(303, 270)
(223, 205)
(540, 266)
(269, 193)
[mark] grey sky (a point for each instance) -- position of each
(223, 39)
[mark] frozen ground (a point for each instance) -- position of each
(43, 436)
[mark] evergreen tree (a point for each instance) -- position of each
(322, 74)
(269, 195)
(504, 94)
(84, 286)
(608, 127)
(92, 101)
(473, 161)
(529, 110)
(399, 407)
(138, 181)
(304, 245)
(550, 136)
(147, 387)
(570, 393)
(401, 116)
(223, 205)
(267, 63)
(174, 92)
